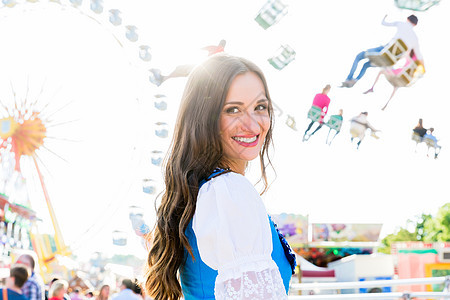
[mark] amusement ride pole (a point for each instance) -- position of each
(61, 247)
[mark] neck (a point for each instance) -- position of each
(15, 289)
(238, 167)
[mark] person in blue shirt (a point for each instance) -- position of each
(126, 291)
(213, 237)
(17, 278)
(431, 142)
(33, 288)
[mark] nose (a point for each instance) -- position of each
(250, 123)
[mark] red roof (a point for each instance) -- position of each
(19, 209)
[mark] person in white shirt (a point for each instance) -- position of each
(405, 32)
(213, 237)
(126, 291)
(358, 127)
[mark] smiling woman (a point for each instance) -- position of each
(244, 121)
(212, 226)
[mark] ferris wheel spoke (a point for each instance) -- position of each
(24, 103)
(54, 153)
(62, 123)
(41, 162)
(50, 102)
(47, 117)
(4, 107)
(63, 139)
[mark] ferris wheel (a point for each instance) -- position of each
(59, 131)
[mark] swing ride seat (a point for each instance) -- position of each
(430, 143)
(265, 20)
(270, 13)
(276, 63)
(417, 5)
(285, 54)
(389, 55)
(334, 123)
(314, 113)
(290, 122)
(416, 138)
(405, 77)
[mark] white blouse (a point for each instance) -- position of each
(234, 237)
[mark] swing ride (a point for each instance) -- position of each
(428, 140)
(403, 76)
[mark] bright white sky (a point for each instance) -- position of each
(84, 62)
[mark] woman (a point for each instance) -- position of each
(58, 289)
(211, 225)
(104, 293)
(321, 101)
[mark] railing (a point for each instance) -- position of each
(375, 283)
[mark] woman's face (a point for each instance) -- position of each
(105, 291)
(61, 293)
(244, 120)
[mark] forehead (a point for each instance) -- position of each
(246, 87)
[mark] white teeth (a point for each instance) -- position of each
(245, 140)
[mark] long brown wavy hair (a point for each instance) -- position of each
(195, 151)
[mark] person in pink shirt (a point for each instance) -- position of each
(321, 101)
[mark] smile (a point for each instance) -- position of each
(246, 141)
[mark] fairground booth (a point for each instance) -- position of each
(322, 243)
(419, 260)
(15, 224)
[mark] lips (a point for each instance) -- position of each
(248, 141)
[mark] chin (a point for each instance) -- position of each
(250, 157)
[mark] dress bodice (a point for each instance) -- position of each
(232, 238)
(197, 279)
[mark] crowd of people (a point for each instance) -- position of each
(24, 283)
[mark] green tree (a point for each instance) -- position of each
(419, 225)
(438, 229)
(418, 231)
(401, 235)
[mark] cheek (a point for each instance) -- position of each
(264, 124)
(225, 126)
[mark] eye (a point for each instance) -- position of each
(261, 107)
(232, 110)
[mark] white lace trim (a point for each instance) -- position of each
(236, 267)
(266, 284)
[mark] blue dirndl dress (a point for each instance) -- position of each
(198, 279)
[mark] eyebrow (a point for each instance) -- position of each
(241, 103)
